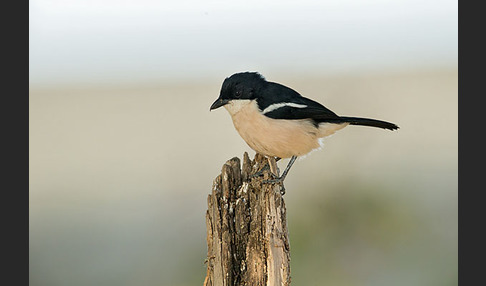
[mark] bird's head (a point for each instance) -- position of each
(239, 86)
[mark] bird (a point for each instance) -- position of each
(277, 122)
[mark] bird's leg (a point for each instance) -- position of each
(268, 165)
(285, 172)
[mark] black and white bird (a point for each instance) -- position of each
(276, 121)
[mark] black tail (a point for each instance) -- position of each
(369, 122)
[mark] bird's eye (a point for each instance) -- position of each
(238, 93)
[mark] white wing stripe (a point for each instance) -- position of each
(276, 106)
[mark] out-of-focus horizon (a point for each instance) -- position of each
(123, 148)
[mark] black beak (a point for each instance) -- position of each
(218, 103)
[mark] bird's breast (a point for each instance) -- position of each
(273, 137)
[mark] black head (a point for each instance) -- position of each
(245, 85)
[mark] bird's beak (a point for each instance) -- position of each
(218, 103)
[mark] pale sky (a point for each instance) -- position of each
(108, 40)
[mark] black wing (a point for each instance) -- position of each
(293, 106)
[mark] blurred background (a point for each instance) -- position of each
(123, 148)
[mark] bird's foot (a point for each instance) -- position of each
(260, 173)
(276, 180)
(266, 167)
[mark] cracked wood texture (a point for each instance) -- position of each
(246, 228)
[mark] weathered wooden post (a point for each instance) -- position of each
(246, 228)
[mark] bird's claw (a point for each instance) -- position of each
(260, 172)
(276, 180)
